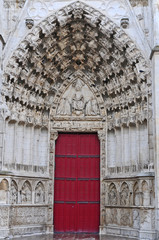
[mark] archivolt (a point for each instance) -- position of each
(77, 38)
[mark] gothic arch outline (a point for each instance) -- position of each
(88, 82)
(19, 75)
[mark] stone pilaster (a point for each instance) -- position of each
(155, 63)
(53, 137)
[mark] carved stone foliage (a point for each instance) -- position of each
(4, 111)
(26, 193)
(13, 3)
(111, 216)
(28, 215)
(135, 3)
(39, 193)
(14, 193)
(136, 219)
(77, 39)
(125, 217)
(4, 216)
(78, 100)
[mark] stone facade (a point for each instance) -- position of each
(79, 66)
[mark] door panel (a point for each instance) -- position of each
(77, 185)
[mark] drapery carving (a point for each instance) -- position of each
(26, 193)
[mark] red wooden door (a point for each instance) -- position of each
(77, 183)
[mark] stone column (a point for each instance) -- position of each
(53, 137)
(2, 125)
(1, 138)
(155, 71)
(103, 167)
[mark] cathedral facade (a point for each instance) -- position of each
(79, 87)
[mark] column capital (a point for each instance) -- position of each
(101, 134)
(54, 135)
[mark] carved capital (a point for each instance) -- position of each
(54, 135)
(101, 135)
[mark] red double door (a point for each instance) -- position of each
(77, 183)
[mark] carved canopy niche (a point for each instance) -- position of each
(77, 42)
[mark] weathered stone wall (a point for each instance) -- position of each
(24, 206)
(84, 68)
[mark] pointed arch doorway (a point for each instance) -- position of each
(77, 183)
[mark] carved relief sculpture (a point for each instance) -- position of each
(14, 193)
(124, 194)
(26, 193)
(136, 195)
(39, 193)
(112, 194)
(78, 100)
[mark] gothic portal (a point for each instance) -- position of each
(85, 72)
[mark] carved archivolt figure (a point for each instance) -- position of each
(26, 193)
(39, 193)
(14, 193)
(112, 195)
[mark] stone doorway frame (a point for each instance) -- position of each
(98, 127)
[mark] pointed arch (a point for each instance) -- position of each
(124, 194)
(26, 193)
(76, 38)
(40, 193)
(112, 195)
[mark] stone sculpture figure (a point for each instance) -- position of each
(75, 102)
(145, 194)
(26, 194)
(91, 108)
(64, 107)
(78, 99)
(78, 103)
(112, 195)
(136, 195)
(39, 193)
(14, 193)
(124, 195)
